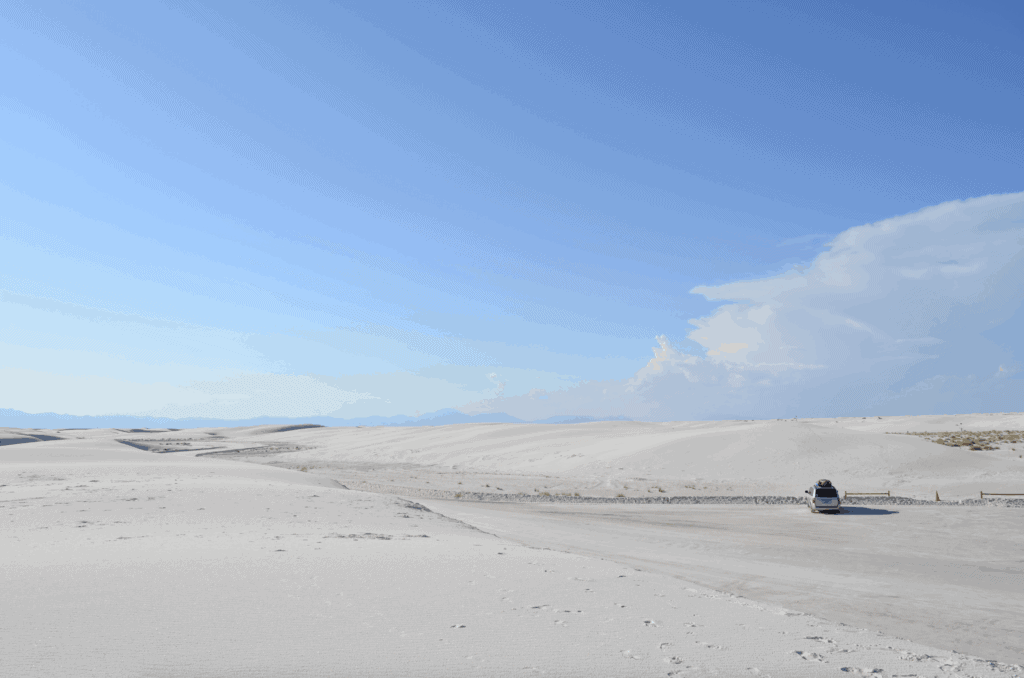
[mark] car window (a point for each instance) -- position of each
(828, 492)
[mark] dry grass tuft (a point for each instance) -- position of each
(974, 440)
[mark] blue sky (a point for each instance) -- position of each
(235, 210)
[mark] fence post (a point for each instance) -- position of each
(936, 495)
(982, 495)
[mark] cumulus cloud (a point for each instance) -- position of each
(499, 386)
(911, 314)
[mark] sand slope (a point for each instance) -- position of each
(608, 458)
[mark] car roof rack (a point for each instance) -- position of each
(824, 483)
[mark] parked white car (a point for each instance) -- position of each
(823, 496)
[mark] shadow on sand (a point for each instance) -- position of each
(865, 511)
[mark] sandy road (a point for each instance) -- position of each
(950, 577)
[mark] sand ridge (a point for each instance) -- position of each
(676, 458)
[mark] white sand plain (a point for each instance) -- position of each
(148, 559)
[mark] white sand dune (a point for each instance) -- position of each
(121, 561)
(632, 458)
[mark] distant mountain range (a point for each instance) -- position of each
(50, 420)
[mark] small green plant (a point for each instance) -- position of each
(458, 495)
(620, 495)
(660, 490)
(304, 469)
(575, 494)
(545, 494)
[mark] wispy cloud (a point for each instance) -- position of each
(253, 395)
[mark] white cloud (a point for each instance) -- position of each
(499, 386)
(247, 396)
(900, 315)
(241, 396)
(667, 360)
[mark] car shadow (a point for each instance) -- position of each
(865, 511)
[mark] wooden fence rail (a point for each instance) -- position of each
(847, 494)
(1000, 494)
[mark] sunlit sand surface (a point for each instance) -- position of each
(152, 556)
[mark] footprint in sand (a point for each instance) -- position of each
(632, 654)
(651, 622)
(859, 671)
(809, 656)
(457, 626)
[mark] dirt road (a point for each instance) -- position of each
(949, 577)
